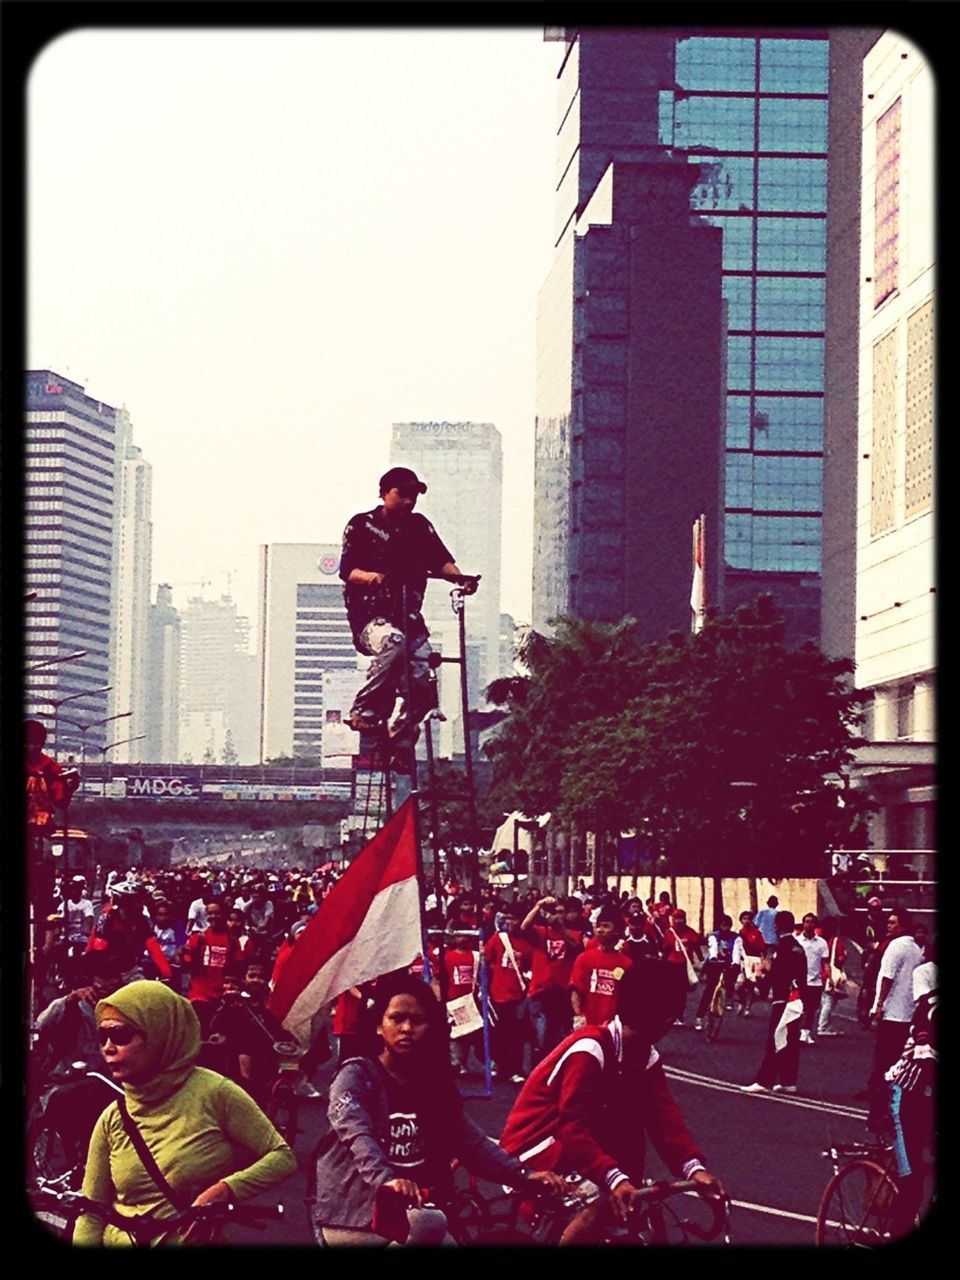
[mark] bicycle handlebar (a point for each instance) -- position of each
(659, 1192)
(148, 1226)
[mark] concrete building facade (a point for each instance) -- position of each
(218, 692)
(302, 634)
(163, 684)
(133, 533)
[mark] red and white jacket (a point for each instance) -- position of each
(580, 1110)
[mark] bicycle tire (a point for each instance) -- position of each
(718, 1007)
(857, 1207)
(284, 1111)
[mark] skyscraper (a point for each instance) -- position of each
(218, 693)
(303, 635)
(70, 478)
(133, 533)
(462, 465)
(748, 110)
(163, 685)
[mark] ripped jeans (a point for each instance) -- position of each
(384, 642)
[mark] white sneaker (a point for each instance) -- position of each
(397, 718)
(828, 1031)
(517, 1079)
(784, 1088)
(754, 1088)
(698, 1025)
(806, 1037)
(679, 1022)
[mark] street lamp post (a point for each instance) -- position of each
(109, 747)
(57, 703)
(121, 715)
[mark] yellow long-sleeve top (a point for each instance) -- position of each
(205, 1132)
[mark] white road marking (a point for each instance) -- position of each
(793, 1100)
(776, 1213)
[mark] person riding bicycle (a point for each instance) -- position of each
(125, 932)
(397, 1124)
(250, 1030)
(589, 1106)
(384, 550)
(719, 961)
(181, 1135)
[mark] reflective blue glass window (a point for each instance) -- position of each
(793, 66)
(791, 303)
(726, 124)
(738, 291)
(791, 244)
(738, 491)
(783, 483)
(726, 182)
(737, 241)
(799, 185)
(738, 422)
(789, 364)
(793, 124)
(773, 542)
(738, 362)
(788, 422)
(712, 62)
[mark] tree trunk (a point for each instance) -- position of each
(717, 901)
(753, 896)
(673, 891)
(703, 905)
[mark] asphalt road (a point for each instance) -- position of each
(766, 1148)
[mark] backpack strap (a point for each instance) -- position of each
(146, 1156)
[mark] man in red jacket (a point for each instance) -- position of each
(590, 1104)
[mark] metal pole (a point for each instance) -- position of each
(435, 845)
(460, 607)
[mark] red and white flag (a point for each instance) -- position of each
(367, 925)
(792, 1010)
(697, 593)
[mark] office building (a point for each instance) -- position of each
(303, 634)
(70, 456)
(217, 684)
(745, 113)
(133, 532)
(462, 465)
(890, 442)
(163, 686)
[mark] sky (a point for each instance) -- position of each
(270, 245)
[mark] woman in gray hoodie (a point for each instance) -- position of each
(396, 1125)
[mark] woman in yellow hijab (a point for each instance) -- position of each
(208, 1137)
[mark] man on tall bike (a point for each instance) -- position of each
(387, 554)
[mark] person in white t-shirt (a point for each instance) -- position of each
(893, 1008)
(817, 952)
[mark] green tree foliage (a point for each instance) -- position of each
(725, 750)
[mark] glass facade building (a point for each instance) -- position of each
(70, 474)
(750, 109)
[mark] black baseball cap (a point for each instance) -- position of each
(401, 478)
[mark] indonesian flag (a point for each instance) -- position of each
(697, 594)
(367, 925)
(792, 1010)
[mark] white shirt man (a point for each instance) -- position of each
(817, 951)
(900, 957)
(197, 916)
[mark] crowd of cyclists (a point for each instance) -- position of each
(580, 989)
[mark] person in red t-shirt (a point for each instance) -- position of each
(681, 943)
(509, 957)
(347, 1022)
(556, 943)
(748, 953)
(206, 955)
(460, 964)
(597, 974)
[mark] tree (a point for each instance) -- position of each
(229, 750)
(725, 750)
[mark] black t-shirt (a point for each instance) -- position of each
(407, 1148)
(405, 550)
(789, 966)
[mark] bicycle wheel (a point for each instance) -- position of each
(718, 1006)
(284, 1111)
(857, 1207)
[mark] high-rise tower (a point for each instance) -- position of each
(746, 110)
(70, 477)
